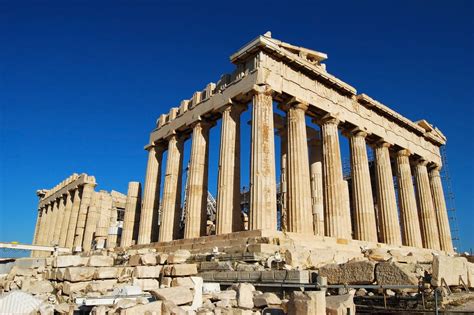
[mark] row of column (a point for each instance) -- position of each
(80, 219)
(61, 222)
(316, 198)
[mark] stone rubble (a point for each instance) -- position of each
(151, 282)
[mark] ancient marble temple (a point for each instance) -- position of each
(396, 198)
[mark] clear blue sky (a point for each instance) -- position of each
(82, 83)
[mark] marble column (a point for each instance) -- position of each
(171, 199)
(428, 224)
(229, 217)
(103, 224)
(196, 200)
(387, 205)
(446, 242)
(47, 227)
(112, 237)
(410, 223)
(53, 223)
(284, 177)
(91, 222)
(41, 229)
(347, 206)
(148, 227)
(71, 231)
(263, 208)
(365, 228)
(87, 191)
(335, 213)
(300, 217)
(316, 174)
(59, 219)
(66, 218)
(132, 215)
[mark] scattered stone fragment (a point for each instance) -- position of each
(300, 303)
(297, 258)
(182, 282)
(340, 304)
(142, 309)
(148, 259)
(266, 299)
(357, 272)
(178, 257)
(101, 261)
(108, 273)
(146, 284)
(40, 287)
(245, 295)
(147, 271)
(76, 274)
(177, 295)
(361, 292)
(184, 270)
(69, 261)
(161, 258)
(396, 274)
(449, 268)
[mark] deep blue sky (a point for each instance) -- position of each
(81, 84)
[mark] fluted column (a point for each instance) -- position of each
(387, 205)
(65, 221)
(316, 174)
(365, 228)
(103, 224)
(47, 226)
(132, 215)
(53, 226)
(263, 209)
(112, 237)
(59, 220)
(71, 231)
(347, 206)
(428, 224)
(91, 222)
(284, 177)
(229, 217)
(439, 202)
(196, 200)
(335, 213)
(87, 191)
(42, 226)
(171, 200)
(148, 226)
(300, 218)
(410, 223)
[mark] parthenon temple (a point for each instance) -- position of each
(396, 198)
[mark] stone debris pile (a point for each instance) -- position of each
(144, 281)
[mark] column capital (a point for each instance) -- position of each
(355, 132)
(203, 124)
(328, 119)
(434, 167)
(404, 152)
(294, 102)
(261, 89)
(421, 162)
(233, 106)
(382, 144)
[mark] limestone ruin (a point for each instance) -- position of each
(385, 226)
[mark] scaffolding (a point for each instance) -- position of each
(450, 200)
